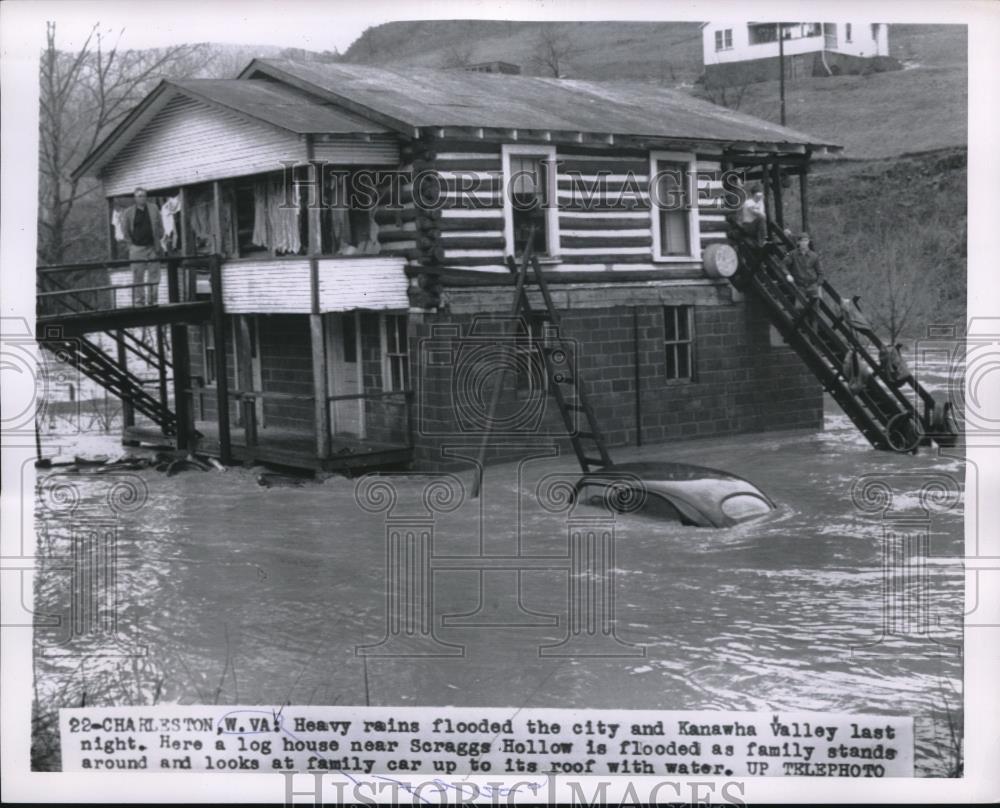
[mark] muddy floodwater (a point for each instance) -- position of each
(229, 592)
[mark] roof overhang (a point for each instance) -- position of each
(166, 91)
(262, 68)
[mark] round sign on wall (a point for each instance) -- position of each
(720, 260)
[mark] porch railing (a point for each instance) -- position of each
(246, 401)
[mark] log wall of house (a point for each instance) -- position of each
(468, 228)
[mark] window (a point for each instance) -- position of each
(395, 356)
(208, 352)
(724, 39)
(761, 34)
(678, 328)
(529, 200)
(847, 32)
(674, 206)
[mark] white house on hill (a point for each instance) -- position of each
(734, 51)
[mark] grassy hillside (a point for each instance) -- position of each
(873, 116)
(668, 52)
(921, 107)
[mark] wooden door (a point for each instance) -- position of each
(343, 361)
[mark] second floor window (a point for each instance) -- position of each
(674, 206)
(529, 200)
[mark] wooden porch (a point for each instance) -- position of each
(287, 447)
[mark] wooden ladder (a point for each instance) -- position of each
(562, 378)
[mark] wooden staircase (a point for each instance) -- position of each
(888, 415)
(80, 312)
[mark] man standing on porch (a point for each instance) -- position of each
(143, 230)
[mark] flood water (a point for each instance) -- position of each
(252, 595)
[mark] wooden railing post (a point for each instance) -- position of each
(408, 406)
(221, 374)
(804, 197)
(128, 411)
(181, 360)
(161, 358)
(320, 391)
(249, 403)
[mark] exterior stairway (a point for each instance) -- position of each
(80, 310)
(891, 416)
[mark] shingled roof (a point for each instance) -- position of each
(422, 97)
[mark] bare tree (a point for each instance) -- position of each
(552, 50)
(83, 95)
(458, 55)
(725, 95)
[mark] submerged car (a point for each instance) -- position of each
(692, 495)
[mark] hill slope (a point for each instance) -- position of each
(921, 107)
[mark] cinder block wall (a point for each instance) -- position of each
(742, 383)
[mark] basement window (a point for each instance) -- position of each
(673, 205)
(529, 200)
(678, 341)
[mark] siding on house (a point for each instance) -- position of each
(363, 283)
(266, 286)
(283, 286)
(189, 142)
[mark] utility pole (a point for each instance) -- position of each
(781, 68)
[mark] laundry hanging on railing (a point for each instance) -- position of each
(275, 224)
(167, 212)
(118, 224)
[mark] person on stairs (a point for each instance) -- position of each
(802, 268)
(752, 216)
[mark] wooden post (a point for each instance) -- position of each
(804, 197)
(217, 216)
(765, 181)
(181, 360)
(779, 212)
(128, 411)
(250, 425)
(244, 360)
(221, 374)
(161, 358)
(320, 389)
(636, 354)
(185, 235)
(112, 241)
